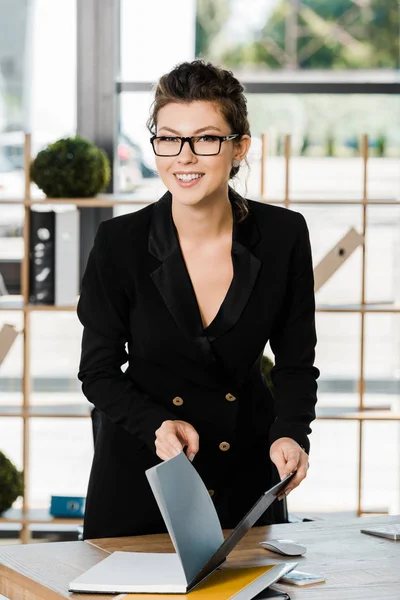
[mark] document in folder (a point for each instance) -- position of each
(230, 584)
(192, 522)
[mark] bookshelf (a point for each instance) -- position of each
(27, 516)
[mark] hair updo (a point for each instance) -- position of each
(198, 80)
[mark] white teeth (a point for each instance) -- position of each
(188, 177)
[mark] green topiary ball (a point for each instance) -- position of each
(266, 366)
(11, 483)
(71, 168)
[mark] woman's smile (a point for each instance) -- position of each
(186, 179)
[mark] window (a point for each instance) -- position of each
(324, 73)
(259, 35)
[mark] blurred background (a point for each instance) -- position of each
(323, 73)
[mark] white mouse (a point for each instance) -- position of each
(285, 547)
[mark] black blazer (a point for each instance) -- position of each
(138, 306)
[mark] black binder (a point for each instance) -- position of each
(41, 257)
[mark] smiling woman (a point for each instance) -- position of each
(205, 156)
(196, 284)
(187, 106)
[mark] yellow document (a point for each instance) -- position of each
(221, 585)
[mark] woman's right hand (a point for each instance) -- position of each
(172, 436)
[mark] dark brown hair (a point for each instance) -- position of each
(198, 80)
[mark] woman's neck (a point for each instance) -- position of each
(203, 222)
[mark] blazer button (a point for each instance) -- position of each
(177, 401)
(230, 397)
(224, 446)
(211, 492)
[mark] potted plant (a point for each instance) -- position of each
(381, 144)
(329, 144)
(71, 167)
(305, 145)
(266, 366)
(11, 483)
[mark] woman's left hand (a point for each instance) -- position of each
(288, 456)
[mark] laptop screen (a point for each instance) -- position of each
(240, 530)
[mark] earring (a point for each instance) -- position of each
(236, 163)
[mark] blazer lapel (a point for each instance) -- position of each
(175, 287)
(172, 278)
(246, 267)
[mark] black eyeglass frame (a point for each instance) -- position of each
(221, 138)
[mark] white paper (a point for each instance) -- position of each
(133, 572)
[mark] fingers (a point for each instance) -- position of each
(191, 437)
(301, 474)
(280, 462)
(292, 463)
(168, 446)
(302, 469)
(172, 436)
(288, 456)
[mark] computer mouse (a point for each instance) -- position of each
(285, 547)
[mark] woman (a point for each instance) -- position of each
(195, 285)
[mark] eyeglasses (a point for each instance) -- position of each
(201, 145)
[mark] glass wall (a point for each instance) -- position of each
(282, 41)
(258, 35)
(286, 52)
(155, 36)
(37, 95)
(325, 135)
(65, 446)
(38, 80)
(160, 47)
(259, 40)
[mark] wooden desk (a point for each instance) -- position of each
(356, 566)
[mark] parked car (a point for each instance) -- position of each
(132, 167)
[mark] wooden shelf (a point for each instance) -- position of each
(10, 413)
(364, 415)
(62, 411)
(39, 308)
(15, 303)
(48, 307)
(359, 308)
(96, 202)
(32, 415)
(109, 200)
(11, 302)
(82, 412)
(322, 308)
(328, 201)
(40, 515)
